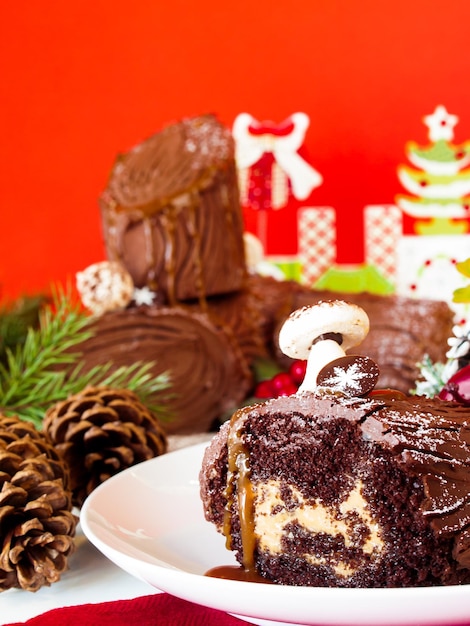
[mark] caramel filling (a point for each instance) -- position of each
(271, 517)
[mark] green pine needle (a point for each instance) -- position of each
(16, 318)
(433, 378)
(44, 369)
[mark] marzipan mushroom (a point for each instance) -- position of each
(321, 334)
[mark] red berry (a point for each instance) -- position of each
(457, 387)
(288, 390)
(297, 371)
(264, 389)
(280, 381)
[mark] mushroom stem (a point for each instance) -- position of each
(320, 354)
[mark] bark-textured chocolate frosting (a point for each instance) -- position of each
(207, 371)
(431, 439)
(388, 477)
(171, 212)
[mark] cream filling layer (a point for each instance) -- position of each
(272, 515)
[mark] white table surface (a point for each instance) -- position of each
(91, 578)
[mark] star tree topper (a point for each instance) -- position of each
(441, 124)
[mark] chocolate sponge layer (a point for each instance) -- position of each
(346, 492)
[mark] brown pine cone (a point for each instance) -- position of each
(101, 431)
(36, 523)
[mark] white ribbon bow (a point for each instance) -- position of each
(250, 148)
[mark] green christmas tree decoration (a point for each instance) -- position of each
(439, 181)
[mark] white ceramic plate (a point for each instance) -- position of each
(149, 521)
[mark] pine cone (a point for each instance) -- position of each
(36, 522)
(101, 431)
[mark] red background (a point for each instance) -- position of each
(82, 81)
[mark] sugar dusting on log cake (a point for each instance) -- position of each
(171, 212)
(341, 484)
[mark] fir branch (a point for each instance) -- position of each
(45, 369)
(433, 378)
(137, 377)
(16, 318)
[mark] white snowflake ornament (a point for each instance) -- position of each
(143, 296)
(351, 375)
(460, 342)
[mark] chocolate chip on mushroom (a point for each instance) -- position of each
(321, 334)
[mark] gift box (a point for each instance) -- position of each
(411, 244)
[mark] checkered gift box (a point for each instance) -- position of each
(317, 241)
(382, 231)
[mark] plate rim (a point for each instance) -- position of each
(428, 598)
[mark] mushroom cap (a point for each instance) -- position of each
(305, 325)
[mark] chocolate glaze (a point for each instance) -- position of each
(208, 373)
(432, 438)
(417, 458)
(243, 313)
(171, 212)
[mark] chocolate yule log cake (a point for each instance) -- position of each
(207, 370)
(171, 212)
(173, 230)
(340, 484)
(210, 359)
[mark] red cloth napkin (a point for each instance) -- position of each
(160, 609)
(155, 610)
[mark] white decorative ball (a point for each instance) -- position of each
(105, 286)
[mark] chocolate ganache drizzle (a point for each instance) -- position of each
(171, 212)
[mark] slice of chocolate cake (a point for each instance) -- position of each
(320, 489)
(331, 487)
